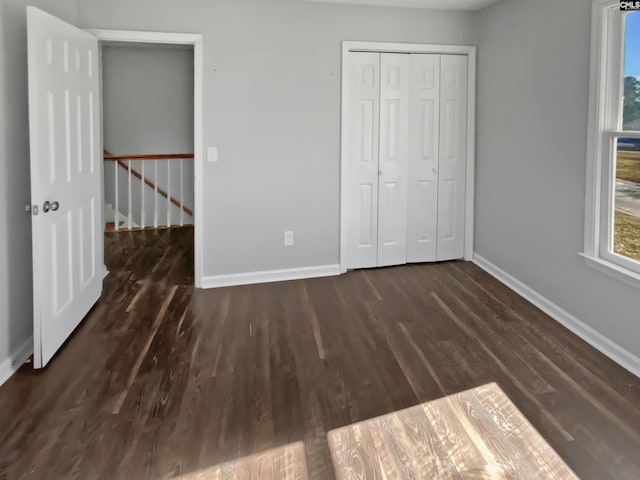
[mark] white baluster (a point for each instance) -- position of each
(129, 192)
(181, 195)
(155, 197)
(168, 193)
(117, 199)
(143, 222)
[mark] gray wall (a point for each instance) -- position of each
(533, 83)
(272, 106)
(16, 312)
(148, 99)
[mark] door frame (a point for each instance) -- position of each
(385, 47)
(196, 40)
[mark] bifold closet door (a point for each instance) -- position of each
(424, 134)
(406, 149)
(393, 159)
(437, 158)
(362, 123)
(453, 157)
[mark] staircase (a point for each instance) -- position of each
(123, 220)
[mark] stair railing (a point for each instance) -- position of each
(148, 162)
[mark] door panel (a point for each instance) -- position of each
(366, 206)
(87, 242)
(389, 198)
(361, 129)
(424, 126)
(394, 118)
(65, 147)
(62, 261)
(367, 122)
(447, 217)
(453, 157)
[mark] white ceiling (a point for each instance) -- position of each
(433, 4)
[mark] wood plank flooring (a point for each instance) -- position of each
(288, 462)
(474, 434)
(164, 381)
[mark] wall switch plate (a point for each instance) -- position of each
(288, 238)
(212, 154)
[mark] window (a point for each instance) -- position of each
(612, 230)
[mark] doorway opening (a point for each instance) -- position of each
(148, 175)
(152, 137)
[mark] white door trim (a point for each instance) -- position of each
(128, 36)
(382, 47)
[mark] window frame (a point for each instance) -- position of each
(605, 125)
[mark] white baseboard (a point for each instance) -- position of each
(611, 349)
(15, 360)
(270, 276)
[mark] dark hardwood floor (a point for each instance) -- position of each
(162, 380)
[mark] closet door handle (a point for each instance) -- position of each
(435, 169)
(379, 173)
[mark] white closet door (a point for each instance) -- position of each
(394, 134)
(453, 156)
(362, 127)
(424, 126)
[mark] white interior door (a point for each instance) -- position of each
(393, 159)
(66, 183)
(362, 79)
(424, 134)
(453, 157)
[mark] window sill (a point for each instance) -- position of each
(616, 271)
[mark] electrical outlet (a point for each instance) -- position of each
(288, 238)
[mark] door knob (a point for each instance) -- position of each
(53, 206)
(435, 170)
